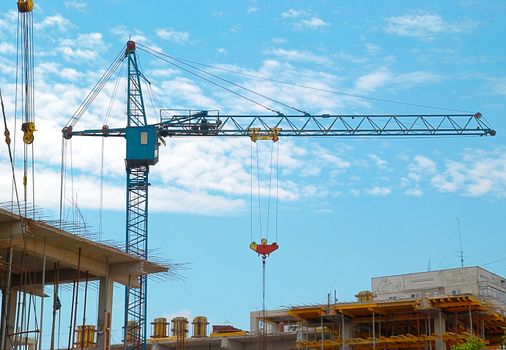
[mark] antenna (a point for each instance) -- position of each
(461, 252)
(428, 265)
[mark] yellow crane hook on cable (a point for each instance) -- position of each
(25, 5)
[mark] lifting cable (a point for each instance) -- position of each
(264, 249)
(264, 232)
(25, 76)
(25, 60)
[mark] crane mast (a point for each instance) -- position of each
(137, 171)
(142, 142)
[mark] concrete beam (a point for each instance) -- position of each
(65, 276)
(9, 229)
(70, 258)
(134, 269)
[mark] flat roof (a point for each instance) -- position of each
(34, 239)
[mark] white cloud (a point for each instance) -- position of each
(81, 54)
(414, 192)
(292, 13)
(252, 9)
(221, 51)
(57, 21)
(383, 76)
(378, 191)
(6, 48)
(75, 4)
(301, 19)
(85, 47)
(173, 35)
(374, 80)
(477, 173)
(380, 163)
(312, 23)
(297, 55)
(425, 25)
(279, 41)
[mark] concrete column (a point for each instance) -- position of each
(254, 318)
(440, 328)
(347, 331)
(104, 313)
(9, 306)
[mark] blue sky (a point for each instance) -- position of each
(348, 209)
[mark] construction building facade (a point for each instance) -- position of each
(428, 310)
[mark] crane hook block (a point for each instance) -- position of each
(263, 248)
(256, 134)
(25, 6)
(28, 129)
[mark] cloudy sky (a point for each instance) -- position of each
(348, 209)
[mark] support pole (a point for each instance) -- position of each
(6, 303)
(55, 300)
(470, 321)
(323, 333)
(373, 330)
(83, 333)
(77, 296)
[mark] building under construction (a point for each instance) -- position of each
(427, 310)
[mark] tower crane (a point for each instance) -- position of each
(143, 140)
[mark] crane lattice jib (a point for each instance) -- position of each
(203, 124)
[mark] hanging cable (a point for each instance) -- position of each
(62, 180)
(251, 191)
(114, 92)
(258, 194)
(101, 206)
(269, 193)
(277, 189)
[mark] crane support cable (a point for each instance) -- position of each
(216, 84)
(157, 53)
(113, 97)
(95, 90)
(315, 88)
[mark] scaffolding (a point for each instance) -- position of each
(419, 323)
